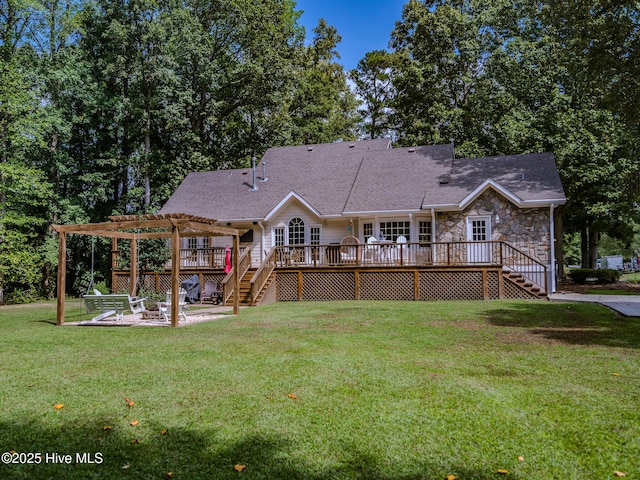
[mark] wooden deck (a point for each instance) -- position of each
(385, 271)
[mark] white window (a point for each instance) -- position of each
(367, 230)
(278, 236)
(424, 231)
(296, 231)
(314, 235)
(394, 229)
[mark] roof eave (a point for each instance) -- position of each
(380, 212)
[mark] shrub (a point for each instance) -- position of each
(583, 275)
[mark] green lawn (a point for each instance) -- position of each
(383, 390)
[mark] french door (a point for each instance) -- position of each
(479, 230)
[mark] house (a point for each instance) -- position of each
(364, 208)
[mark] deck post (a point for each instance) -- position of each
(416, 285)
(62, 274)
(133, 270)
(357, 285)
(236, 274)
(175, 274)
(485, 284)
(114, 262)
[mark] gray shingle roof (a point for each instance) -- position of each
(357, 177)
(530, 177)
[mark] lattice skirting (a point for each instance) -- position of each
(157, 282)
(451, 285)
(386, 286)
(511, 290)
(287, 287)
(419, 284)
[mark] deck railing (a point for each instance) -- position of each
(261, 277)
(414, 254)
(190, 258)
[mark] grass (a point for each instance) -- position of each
(633, 277)
(383, 390)
(609, 291)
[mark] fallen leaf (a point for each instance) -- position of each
(503, 471)
(126, 399)
(12, 452)
(135, 441)
(292, 395)
(125, 466)
(107, 427)
(133, 423)
(164, 431)
(58, 406)
(452, 477)
(619, 474)
(239, 468)
(130, 403)
(521, 458)
(169, 474)
(616, 374)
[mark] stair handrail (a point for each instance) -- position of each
(538, 277)
(262, 275)
(244, 264)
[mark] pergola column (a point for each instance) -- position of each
(175, 274)
(62, 273)
(133, 267)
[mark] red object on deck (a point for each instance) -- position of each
(227, 259)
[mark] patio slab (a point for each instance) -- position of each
(193, 316)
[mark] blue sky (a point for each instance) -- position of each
(364, 25)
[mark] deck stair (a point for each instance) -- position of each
(245, 289)
(524, 284)
(265, 289)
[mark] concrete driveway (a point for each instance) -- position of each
(627, 305)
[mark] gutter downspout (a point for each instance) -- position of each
(261, 241)
(552, 244)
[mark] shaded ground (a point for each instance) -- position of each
(567, 286)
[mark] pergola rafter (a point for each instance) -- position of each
(171, 226)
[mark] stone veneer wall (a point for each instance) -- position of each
(526, 229)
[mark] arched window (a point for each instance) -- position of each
(296, 231)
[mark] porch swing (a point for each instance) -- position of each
(111, 304)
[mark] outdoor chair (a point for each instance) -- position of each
(349, 249)
(371, 250)
(402, 249)
(211, 293)
(165, 307)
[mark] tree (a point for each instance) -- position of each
(24, 191)
(373, 86)
(500, 77)
(323, 108)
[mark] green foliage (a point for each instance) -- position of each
(601, 276)
(501, 78)
(373, 85)
(323, 108)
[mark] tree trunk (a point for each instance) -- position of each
(593, 247)
(147, 167)
(584, 247)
